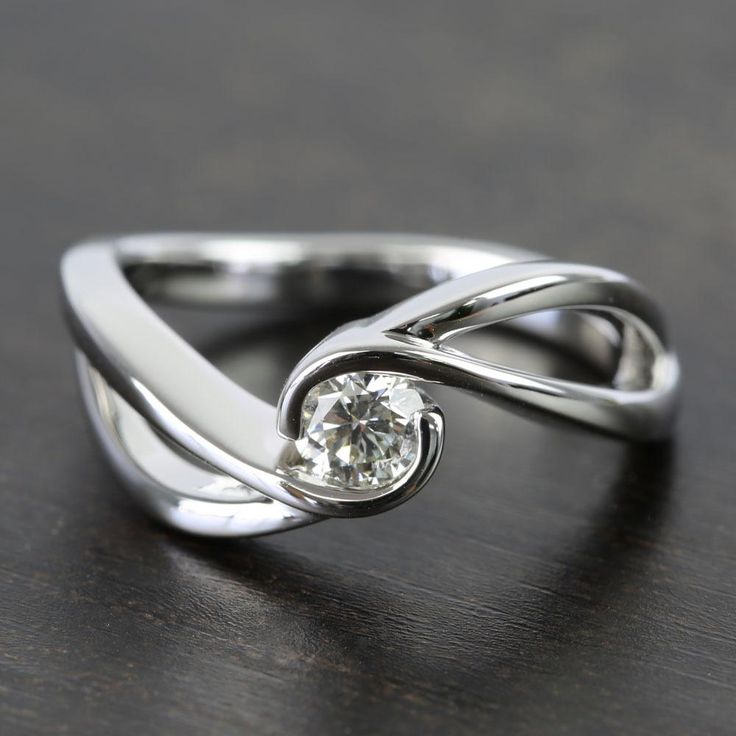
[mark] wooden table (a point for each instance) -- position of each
(547, 580)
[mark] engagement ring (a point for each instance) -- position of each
(356, 430)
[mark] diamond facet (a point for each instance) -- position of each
(359, 430)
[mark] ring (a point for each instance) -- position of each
(356, 431)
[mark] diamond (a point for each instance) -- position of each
(359, 430)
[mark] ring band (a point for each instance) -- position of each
(355, 432)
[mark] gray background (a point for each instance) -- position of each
(544, 582)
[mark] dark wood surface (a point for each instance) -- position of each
(547, 580)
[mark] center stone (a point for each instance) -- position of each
(359, 430)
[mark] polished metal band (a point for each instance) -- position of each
(204, 455)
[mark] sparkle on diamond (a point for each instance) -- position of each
(359, 430)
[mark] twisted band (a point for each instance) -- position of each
(353, 433)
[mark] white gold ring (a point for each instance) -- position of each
(355, 431)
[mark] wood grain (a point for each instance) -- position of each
(547, 580)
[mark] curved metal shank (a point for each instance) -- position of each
(204, 455)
